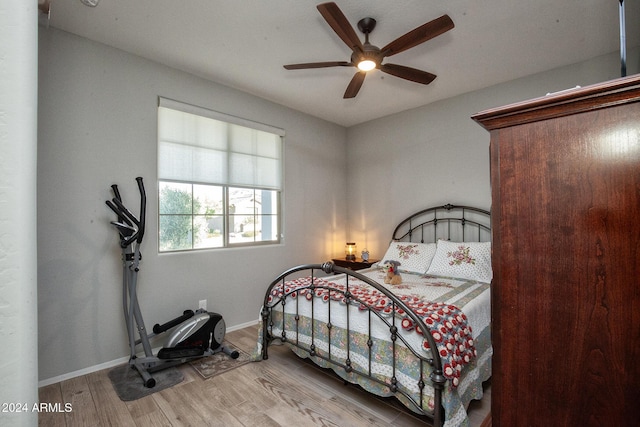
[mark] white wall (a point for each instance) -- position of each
(97, 126)
(436, 154)
(18, 273)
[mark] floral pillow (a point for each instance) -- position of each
(464, 260)
(413, 257)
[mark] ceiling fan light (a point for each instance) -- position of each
(366, 65)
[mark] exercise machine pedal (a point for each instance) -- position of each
(179, 352)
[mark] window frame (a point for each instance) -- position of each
(276, 217)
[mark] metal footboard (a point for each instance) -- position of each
(391, 321)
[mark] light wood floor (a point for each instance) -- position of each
(281, 391)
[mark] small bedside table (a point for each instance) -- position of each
(358, 264)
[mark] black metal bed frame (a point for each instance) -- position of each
(432, 223)
(463, 216)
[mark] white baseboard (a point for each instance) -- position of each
(85, 371)
(116, 362)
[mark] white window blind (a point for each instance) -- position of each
(203, 146)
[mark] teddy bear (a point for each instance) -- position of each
(393, 275)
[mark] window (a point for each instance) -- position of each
(220, 179)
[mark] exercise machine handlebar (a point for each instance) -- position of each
(130, 228)
(143, 209)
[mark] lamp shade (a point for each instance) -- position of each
(350, 251)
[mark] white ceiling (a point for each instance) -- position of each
(244, 44)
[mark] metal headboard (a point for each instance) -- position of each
(448, 222)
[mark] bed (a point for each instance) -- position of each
(372, 334)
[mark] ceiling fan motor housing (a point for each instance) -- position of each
(369, 52)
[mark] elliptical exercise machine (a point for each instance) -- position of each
(195, 334)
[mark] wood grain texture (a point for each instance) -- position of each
(565, 180)
(564, 103)
(281, 391)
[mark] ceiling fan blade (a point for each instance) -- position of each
(408, 73)
(355, 84)
(318, 65)
(419, 35)
(336, 20)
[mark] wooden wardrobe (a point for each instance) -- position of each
(565, 178)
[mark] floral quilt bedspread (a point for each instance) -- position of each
(448, 324)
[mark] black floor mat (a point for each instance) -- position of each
(129, 386)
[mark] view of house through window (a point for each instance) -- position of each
(219, 181)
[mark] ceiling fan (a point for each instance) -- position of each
(366, 56)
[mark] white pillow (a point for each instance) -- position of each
(464, 260)
(413, 257)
